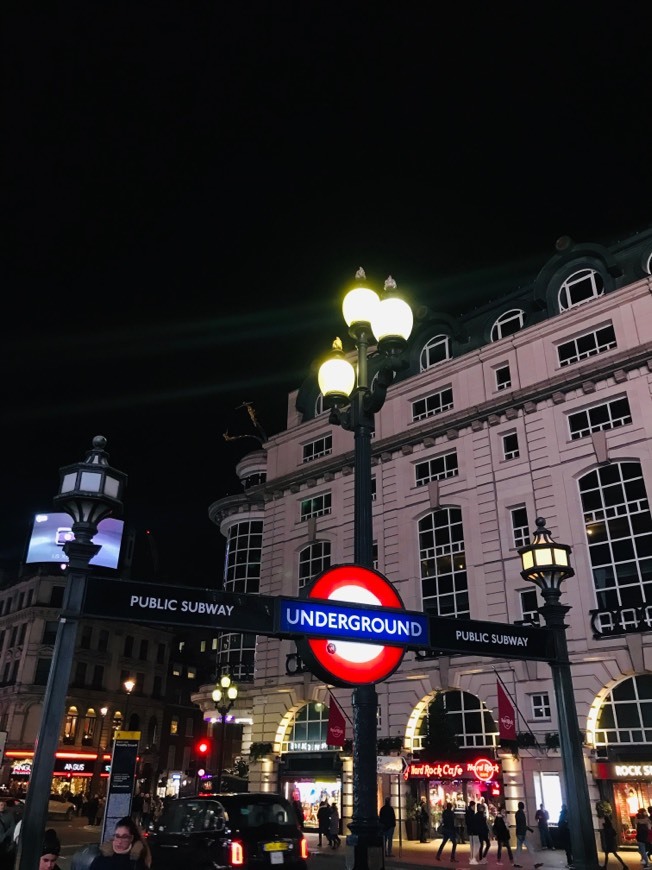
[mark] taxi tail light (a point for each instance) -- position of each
(236, 851)
(303, 848)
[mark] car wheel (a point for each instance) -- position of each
(69, 814)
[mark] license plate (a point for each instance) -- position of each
(275, 847)
(276, 858)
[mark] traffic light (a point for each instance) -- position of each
(203, 748)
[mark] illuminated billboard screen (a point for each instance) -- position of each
(51, 531)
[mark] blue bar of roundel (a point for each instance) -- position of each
(392, 627)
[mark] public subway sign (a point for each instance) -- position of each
(129, 601)
(482, 768)
(477, 637)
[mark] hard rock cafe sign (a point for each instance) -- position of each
(483, 769)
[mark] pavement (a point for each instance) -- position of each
(410, 854)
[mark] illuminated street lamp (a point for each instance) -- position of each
(128, 685)
(89, 491)
(224, 697)
(547, 564)
(387, 320)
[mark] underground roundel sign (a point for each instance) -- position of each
(336, 658)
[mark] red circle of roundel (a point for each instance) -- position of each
(325, 587)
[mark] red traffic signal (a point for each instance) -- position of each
(203, 747)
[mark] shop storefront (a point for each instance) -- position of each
(477, 779)
(72, 773)
(627, 786)
(311, 778)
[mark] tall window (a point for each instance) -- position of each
(243, 554)
(625, 716)
(580, 287)
(436, 349)
(313, 559)
(510, 446)
(444, 585)
(530, 606)
(507, 324)
(70, 725)
(520, 530)
(619, 534)
(237, 653)
(503, 378)
(540, 705)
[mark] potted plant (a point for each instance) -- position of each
(411, 816)
(389, 744)
(260, 750)
(552, 740)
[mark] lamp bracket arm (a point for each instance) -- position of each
(375, 399)
(338, 417)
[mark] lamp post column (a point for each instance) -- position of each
(364, 824)
(582, 835)
(220, 769)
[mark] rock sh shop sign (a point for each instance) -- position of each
(483, 769)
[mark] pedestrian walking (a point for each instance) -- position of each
(474, 842)
(387, 819)
(448, 832)
(610, 842)
(522, 829)
(424, 822)
(92, 809)
(501, 833)
(642, 831)
(323, 822)
(334, 826)
(542, 817)
(564, 834)
(482, 828)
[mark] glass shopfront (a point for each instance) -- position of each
(628, 787)
(457, 783)
(311, 778)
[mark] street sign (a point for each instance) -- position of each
(333, 658)
(503, 640)
(131, 601)
(392, 764)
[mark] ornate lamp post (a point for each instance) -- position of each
(89, 491)
(389, 320)
(224, 697)
(547, 564)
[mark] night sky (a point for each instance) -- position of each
(188, 187)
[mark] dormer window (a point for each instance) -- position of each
(436, 350)
(580, 287)
(507, 324)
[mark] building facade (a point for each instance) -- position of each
(537, 404)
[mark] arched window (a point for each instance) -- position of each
(313, 559)
(456, 717)
(507, 324)
(309, 729)
(580, 287)
(152, 731)
(319, 405)
(236, 656)
(648, 264)
(90, 722)
(435, 350)
(625, 716)
(70, 725)
(444, 586)
(619, 534)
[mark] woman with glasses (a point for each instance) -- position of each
(125, 851)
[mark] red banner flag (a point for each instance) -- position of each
(336, 725)
(506, 715)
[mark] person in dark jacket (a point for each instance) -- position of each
(610, 842)
(7, 841)
(323, 822)
(448, 832)
(563, 829)
(501, 833)
(474, 842)
(642, 833)
(387, 819)
(424, 821)
(522, 829)
(482, 829)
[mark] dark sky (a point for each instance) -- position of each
(188, 187)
